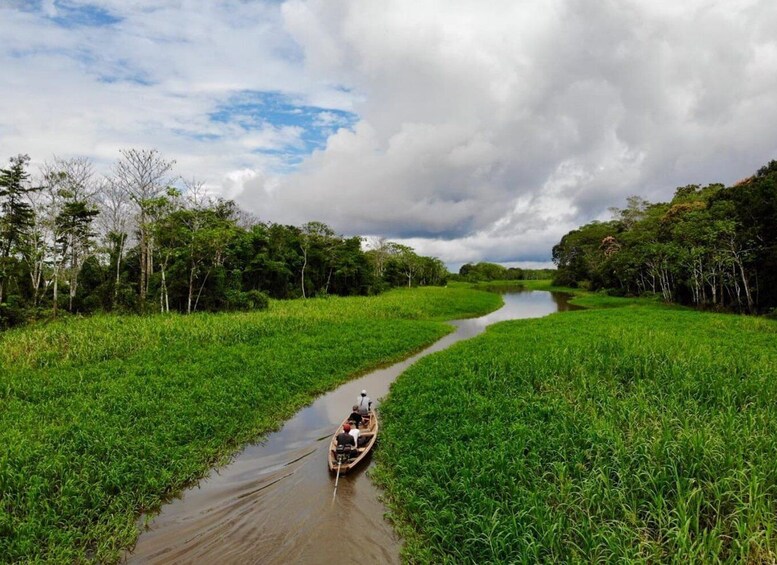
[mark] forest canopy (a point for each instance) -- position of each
(483, 271)
(141, 239)
(710, 246)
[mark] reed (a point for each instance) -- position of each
(639, 433)
(105, 418)
(98, 338)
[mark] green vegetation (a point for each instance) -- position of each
(713, 247)
(76, 243)
(642, 433)
(494, 272)
(104, 418)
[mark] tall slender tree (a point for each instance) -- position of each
(144, 175)
(35, 248)
(315, 235)
(72, 188)
(16, 213)
(114, 220)
(74, 235)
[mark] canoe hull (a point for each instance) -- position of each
(370, 431)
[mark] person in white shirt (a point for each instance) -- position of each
(355, 434)
(363, 402)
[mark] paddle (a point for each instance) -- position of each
(337, 479)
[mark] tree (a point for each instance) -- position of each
(380, 253)
(16, 215)
(73, 236)
(71, 188)
(407, 261)
(752, 205)
(433, 271)
(317, 235)
(159, 211)
(580, 255)
(353, 273)
(196, 252)
(114, 219)
(144, 175)
(198, 237)
(709, 246)
(483, 272)
(635, 211)
(35, 246)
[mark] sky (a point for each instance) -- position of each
(471, 130)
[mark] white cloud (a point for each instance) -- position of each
(486, 130)
(489, 132)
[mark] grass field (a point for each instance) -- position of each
(635, 432)
(104, 418)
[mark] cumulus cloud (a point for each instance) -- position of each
(88, 78)
(475, 131)
(490, 132)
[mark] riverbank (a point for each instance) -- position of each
(274, 502)
(107, 417)
(633, 431)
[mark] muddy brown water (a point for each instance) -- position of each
(274, 502)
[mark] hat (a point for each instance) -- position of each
(364, 393)
(347, 427)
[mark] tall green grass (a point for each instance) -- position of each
(639, 434)
(100, 338)
(104, 418)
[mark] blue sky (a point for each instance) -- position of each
(73, 15)
(471, 131)
(251, 110)
(307, 126)
(290, 127)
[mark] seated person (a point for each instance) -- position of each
(363, 403)
(345, 438)
(355, 417)
(364, 439)
(355, 433)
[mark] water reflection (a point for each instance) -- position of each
(274, 502)
(521, 305)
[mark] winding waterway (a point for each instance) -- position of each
(273, 503)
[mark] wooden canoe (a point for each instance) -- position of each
(370, 431)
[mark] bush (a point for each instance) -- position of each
(564, 278)
(258, 299)
(12, 314)
(616, 292)
(251, 300)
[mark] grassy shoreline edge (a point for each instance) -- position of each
(631, 430)
(101, 432)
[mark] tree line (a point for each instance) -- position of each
(142, 239)
(710, 246)
(484, 271)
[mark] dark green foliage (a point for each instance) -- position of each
(12, 313)
(402, 267)
(16, 214)
(251, 300)
(580, 256)
(16, 219)
(188, 254)
(632, 434)
(489, 272)
(105, 417)
(710, 246)
(486, 272)
(752, 206)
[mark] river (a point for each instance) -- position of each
(274, 502)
